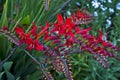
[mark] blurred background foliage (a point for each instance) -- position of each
(23, 12)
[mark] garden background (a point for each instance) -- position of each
(19, 66)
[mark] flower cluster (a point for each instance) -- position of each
(31, 38)
(59, 38)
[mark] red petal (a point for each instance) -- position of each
(33, 30)
(100, 37)
(84, 31)
(19, 31)
(29, 40)
(38, 46)
(44, 29)
(60, 19)
(68, 21)
(46, 36)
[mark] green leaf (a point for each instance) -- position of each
(18, 78)
(3, 20)
(4, 47)
(26, 20)
(7, 65)
(9, 75)
(1, 74)
(34, 76)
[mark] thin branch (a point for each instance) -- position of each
(37, 62)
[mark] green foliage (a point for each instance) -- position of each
(3, 20)
(26, 20)
(1, 74)
(23, 12)
(7, 66)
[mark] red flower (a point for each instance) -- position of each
(81, 17)
(102, 41)
(37, 46)
(30, 43)
(33, 31)
(44, 30)
(100, 37)
(69, 42)
(46, 36)
(64, 27)
(33, 45)
(91, 38)
(84, 31)
(58, 27)
(69, 24)
(20, 32)
(68, 28)
(29, 38)
(60, 19)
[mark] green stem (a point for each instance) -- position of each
(40, 65)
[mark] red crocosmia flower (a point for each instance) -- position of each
(59, 26)
(44, 29)
(77, 30)
(46, 36)
(68, 28)
(98, 49)
(37, 46)
(63, 27)
(21, 34)
(33, 31)
(103, 42)
(84, 31)
(33, 44)
(91, 38)
(69, 24)
(84, 15)
(28, 39)
(29, 42)
(30, 46)
(60, 19)
(69, 34)
(69, 42)
(54, 37)
(19, 31)
(100, 37)
(24, 38)
(81, 17)
(80, 14)
(59, 29)
(107, 44)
